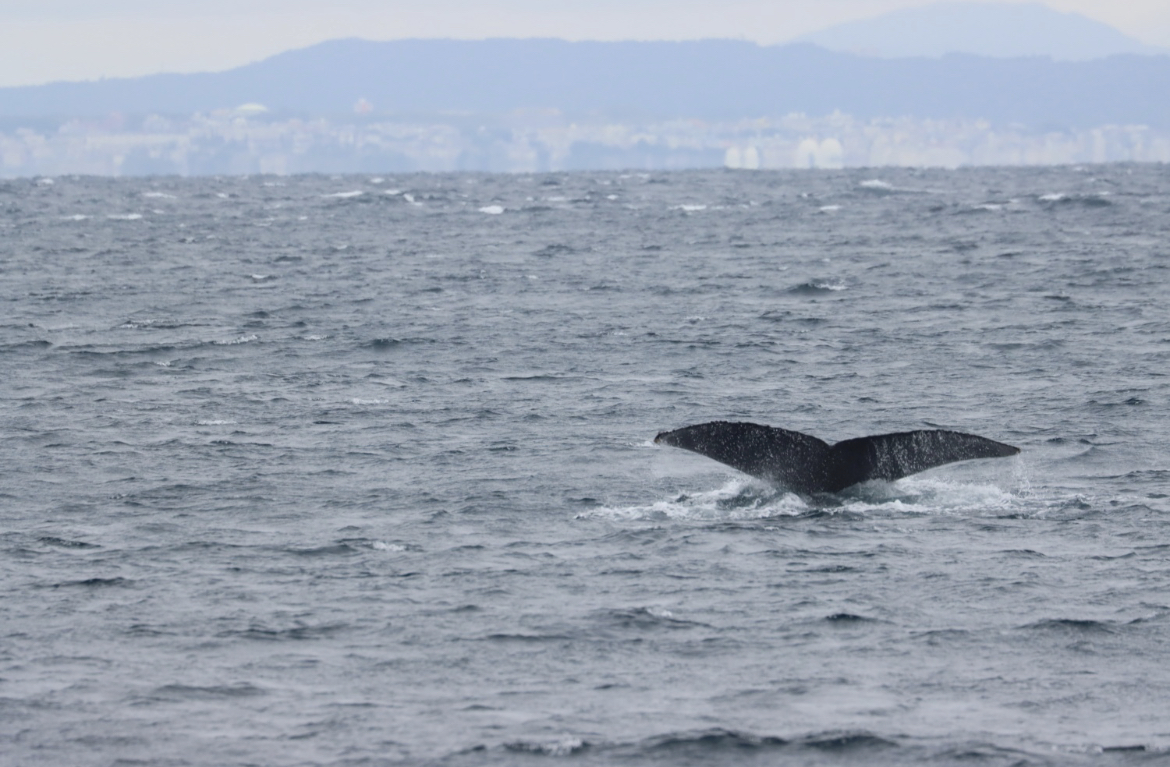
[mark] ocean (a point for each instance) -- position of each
(359, 470)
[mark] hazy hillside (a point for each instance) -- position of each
(986, 29)
(712, 79)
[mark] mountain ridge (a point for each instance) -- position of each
(999, 30)
(709, 79)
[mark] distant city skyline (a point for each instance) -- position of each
(52, 40)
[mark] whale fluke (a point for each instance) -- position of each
(805, 464)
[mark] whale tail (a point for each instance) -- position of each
(805, 464)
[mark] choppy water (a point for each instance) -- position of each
(357, 471)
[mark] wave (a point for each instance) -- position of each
(295, 633)
(65, 543)
(1094, 200)
(1072, 626)
(237, 341)
(209, 692)
(817, 288)
(36, 344)
(388, 344)
(527, 638)
(712, 742)
(647, 618)
(723, 745)
(565, 747)
(717, 745)
(556, 249)
(96, 583)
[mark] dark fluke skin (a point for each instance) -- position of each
(808, 465)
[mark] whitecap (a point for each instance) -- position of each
(816, 286)
(240, 340)
(124, 216)
(45, 181)
(216, 422)
(361, 401)
(383, 546)
(1052, 197)
(689, 208)
(829, 208)
(565, 747)
(876, 183)
(159, 196)
(345, 195)
(75, 217)
(493, 210)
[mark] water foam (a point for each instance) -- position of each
(736, 500)
(565, 747)
(745, 499)
(928, 495)
(236, 341)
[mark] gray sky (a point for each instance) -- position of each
(47, 40)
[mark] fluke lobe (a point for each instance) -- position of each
(807, 465)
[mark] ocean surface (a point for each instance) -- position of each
(359, 471)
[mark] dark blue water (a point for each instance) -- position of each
(358, 471)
